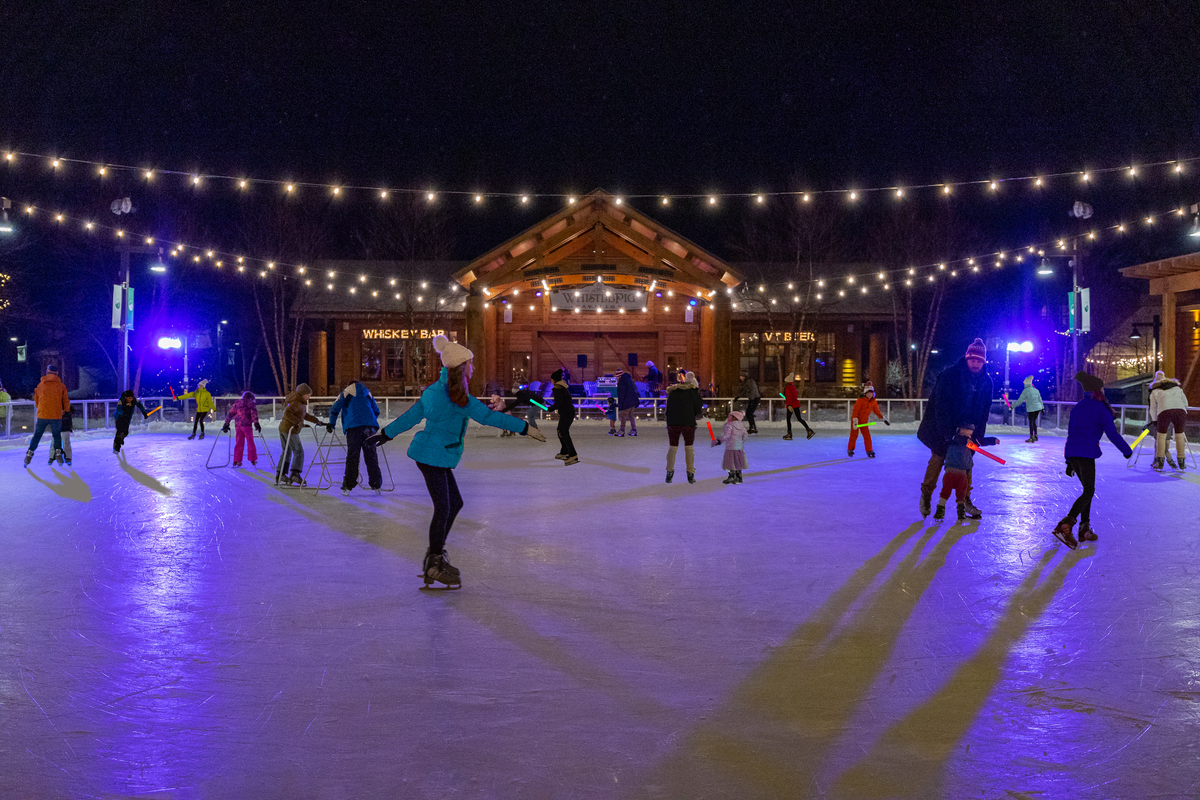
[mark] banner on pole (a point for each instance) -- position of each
(129, 310)
(1085, 314)
(21, 353)
(117, 305)
(1071, 312)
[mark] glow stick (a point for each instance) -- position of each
(865, 424)
(782, 395)
(173, 397)
(157, 409)
(711, 435)
(1006, 400)
(539, 405)
(978, 449)
(1138, 440)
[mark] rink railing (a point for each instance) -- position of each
(20, 416)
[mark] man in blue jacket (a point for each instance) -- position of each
(627, 401)
(360, 419)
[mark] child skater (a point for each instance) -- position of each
(123, 416)
(446, 406)
(611, 413)
(1091, 417)
(957, 465)
(244, 414)
(68, 427)
(864, 407)
(734, 436)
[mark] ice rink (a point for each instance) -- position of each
(167, 631)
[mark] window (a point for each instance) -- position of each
(372, 361)
(748, 355)
(518, 368)
(825, 361)
(394, 361)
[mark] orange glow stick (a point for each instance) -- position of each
(157, 409)
(978, 449)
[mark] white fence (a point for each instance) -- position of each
(20, 416)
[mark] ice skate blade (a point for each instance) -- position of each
(432, 588)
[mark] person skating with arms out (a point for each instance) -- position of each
(1091, 418)
(204, 406)
(244, 415)
(52, 402)
(957, 466)
(446, 406)
(864, 407)
(962, 393)
(123, 416)
(1032, 399)
(564, 404)
(792, 400)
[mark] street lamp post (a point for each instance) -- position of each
(125, 249)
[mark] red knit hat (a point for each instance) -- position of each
(977, 350)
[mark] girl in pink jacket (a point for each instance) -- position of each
(244, 414)
(734, 437)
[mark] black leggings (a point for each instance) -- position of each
(751, 407)
(1085, 470)
(199, 420)
(1033, 418)
(799, 419)
(564, 436)
(447, 502)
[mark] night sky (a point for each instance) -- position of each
(634, 97)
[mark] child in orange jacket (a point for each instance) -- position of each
(864, 407)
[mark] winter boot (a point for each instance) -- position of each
(438, 569)
(670, 472)
(731, 479)
(870, 454)
(926, 500)
(29, 457)
(940, 511)
(1062, 532)
(972, 511)
(1086, 534)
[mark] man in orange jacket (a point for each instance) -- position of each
(864, 407)
(52, 402)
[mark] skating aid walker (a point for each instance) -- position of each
(328, 441)
(228, 450)
(1143, 438)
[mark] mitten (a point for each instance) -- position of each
(379, 439)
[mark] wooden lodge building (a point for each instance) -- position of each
(597, 286)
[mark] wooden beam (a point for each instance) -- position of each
(536, 252)
(1168, 333)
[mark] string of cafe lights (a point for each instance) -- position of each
(993, 186)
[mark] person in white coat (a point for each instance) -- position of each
(1168, 409)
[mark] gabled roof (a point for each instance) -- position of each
(598, 234)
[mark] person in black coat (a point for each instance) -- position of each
(962, 394)
(683, 407)
(126, 405)
(565, 406)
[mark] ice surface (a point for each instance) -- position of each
(170, 631)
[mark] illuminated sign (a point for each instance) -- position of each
(599, 295)
(799, 336)
(394, 333)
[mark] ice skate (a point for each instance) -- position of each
(571, 460)
(51, 460)
(116, 451)
(1035, 438)
(737, 476)
(438, 569)
(29, 457)
(297, 480)
(237, 464)
(193, 436)
(1029, 440)
(378, 492)
(811, 433)
(345, 492)
(787, 437)
(1062, 532)
(670, 472)
(962, 512)
(60, 457)
(283, 480)
(730, 480)
(1171, 462)
(939, 512)
(1086, 534)
(562, 456)
(68, 462)
(691, 477)
(201, 434)
(972, 511)
(254, 463)
(849, 454)
(1157, 464)
(926, 500)
(870, 454)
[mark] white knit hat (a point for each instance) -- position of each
(1159, 376)
(452, 353)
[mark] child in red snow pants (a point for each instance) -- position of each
(245, 435)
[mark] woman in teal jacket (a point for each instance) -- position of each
(446, 407)
(1032, 399)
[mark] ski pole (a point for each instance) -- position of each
(978, 449)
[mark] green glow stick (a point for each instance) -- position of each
(539, 405)
(865, 424)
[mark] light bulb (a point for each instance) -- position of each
(759, 198)
(478, 198)
(291, 187)
(525, 198)
(712, 201)
(383, 194)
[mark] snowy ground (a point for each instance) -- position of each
(173, 632)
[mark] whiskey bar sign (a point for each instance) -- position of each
(399, 333)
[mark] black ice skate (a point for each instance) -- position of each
(811, 433)
(730, 480)
(691, 477)
(787, 437)
(737, 476)
(193, 436)
(940, 513)
(972, 511)
(962, 512)
(670, 472)
(29, 457)
(926, 500)
(438, 569)
(1171, 462)
(870, 454)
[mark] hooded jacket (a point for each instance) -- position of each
(1030, 396)
(734, 434)
(627, 394)
(564, 404)
(958, 396)
(1165, 395)
(790, 395)
(244, 412)
(51, 397)
(125, 409)
(684, 403)
(296, 412)
(357, 408)
(440, 442)
(204, 400)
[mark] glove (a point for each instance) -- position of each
(988, 441)
(225, 428)
(534, 433)
(1070, 470)
(887, 422)
(382, 438)
(716, 442)
(329, 428)
(258, 427)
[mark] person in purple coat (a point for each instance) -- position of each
(1090, 418)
